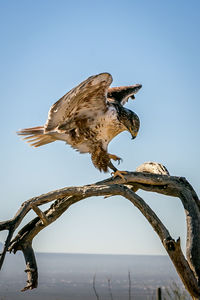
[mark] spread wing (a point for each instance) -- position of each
(122, 93)
(84, 101)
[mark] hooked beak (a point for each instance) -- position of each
(133, 133)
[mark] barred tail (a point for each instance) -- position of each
(36, 136)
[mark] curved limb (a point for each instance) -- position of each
(155, 181)
(172, 247)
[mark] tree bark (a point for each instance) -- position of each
(150, 176)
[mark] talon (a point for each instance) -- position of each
(119, 173)
(116, 158)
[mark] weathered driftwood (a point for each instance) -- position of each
(149, 177)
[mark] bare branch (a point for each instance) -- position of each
(6, 246)
(110, 289)
(94, 287)
(129, 285)
(152, 177)
(31, 267)
(40, 214)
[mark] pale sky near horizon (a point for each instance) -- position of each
(47, 48)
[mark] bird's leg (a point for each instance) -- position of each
(115, 157)
(117, 172)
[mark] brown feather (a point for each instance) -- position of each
(87, 98)
(88, 117)
(100, 159)
(36, 136)
(122, 93)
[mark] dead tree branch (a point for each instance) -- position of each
(149, 177)
(94, 287)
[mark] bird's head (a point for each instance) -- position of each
(130, 120)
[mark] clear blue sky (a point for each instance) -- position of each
(47, 48)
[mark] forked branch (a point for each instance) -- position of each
(150, 177)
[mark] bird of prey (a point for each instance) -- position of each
(88, 117)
